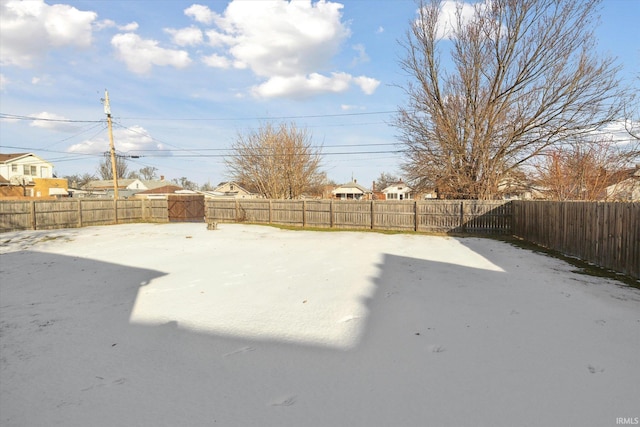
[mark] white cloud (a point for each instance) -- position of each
(278, 38)
(108, 23)
(200, 13)
(362, 55)
(617, 132)
(130, 27)
(52, 121)
(217, 61)
(141, 54)
(380, 30)
(32, 27)
(302, 86)
(347, 107)
(448, 21)
(367, 84)
(289, 44)
(3, 82)
(190, 36)
(105, 23)
(130, 140)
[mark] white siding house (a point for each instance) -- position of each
(22, 168)
(231, 190)
(351, 191)
(398, 191)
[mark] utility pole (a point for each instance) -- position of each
(112, 148)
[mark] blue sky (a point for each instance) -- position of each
(185, 77)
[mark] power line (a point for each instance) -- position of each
(220, 119)
(42, 119)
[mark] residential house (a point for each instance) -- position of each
(126, 187)
(230, 190)
(352, 191)
(27, 175)
(398, 191)
(627, 186)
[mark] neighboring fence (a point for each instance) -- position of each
(70, 213)
(468, 216)
(605, 234)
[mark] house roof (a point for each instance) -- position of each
(393, 188)
(238, 188)
(107, 184)
(123, 183)
(153, 184)
(5, 158)
(166, 189)
(350, 187)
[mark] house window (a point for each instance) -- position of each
(26, 170)
(231, 187)
(34, 171)
(14, 168)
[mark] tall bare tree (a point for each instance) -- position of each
(148, 173)
(105, 172)
(278, 161)
(520, 77)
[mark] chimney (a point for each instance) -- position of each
(373, 186)
(161, 177)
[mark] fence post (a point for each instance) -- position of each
(462, 227)
(115, 210)
(80, 213)
(304, 213)
(33, 215)
(373, 221)
(143, 209)
(237, 219)
(270, 211)
(415, 215)
(331, 213)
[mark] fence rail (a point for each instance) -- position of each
(605, 234)
(468, 216)
(51, 214)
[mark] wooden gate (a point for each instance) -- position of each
(186, 207)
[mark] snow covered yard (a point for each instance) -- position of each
(174, 325)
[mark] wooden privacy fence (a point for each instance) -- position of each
(463, 216)
(605, 234)
(70, 213)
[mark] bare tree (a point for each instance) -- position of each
(522, 79)
(105, 172)
(278, 161)
(582, 170)
(385, 180)
(79, 181)
(185, 183)
(148, 173)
